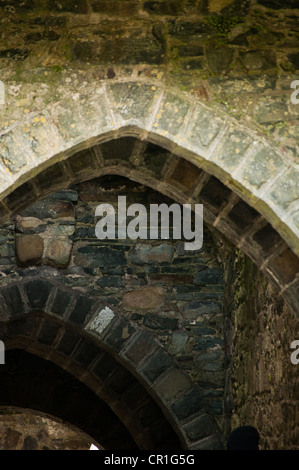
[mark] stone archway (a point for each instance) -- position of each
(73, 140)
(244, 214)
(238, 156)
(108, 355)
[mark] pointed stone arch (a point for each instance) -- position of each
(232, 152)
(249, 189)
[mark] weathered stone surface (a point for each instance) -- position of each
(287, 191)
(233, 149)
(48, 208)
(118, 149)
(172, 384)
(86, 352)
(170, 116)
(111, 281)
(12, 439)
(261, 165)
(187, 406)
(140, 348)
(101, 320)
(29, 430)
(94, 114)
(157, 322)
(39, 135)
(66, 195)
(199, 428)
(73, 6)
(12, 303)
(188, 30)
(202, 129)
(29, 249)
(206, 342)
(154, 159)
(29, 225)
(132, 102)
(179, 341)
(156, 365)
(23, 327)
(48, 332)
(119, 334)
(257, 60)
(243, 215)
(149, 298)
(220, 59)
(277, 4)
(7, 250)
(209, 276)
(12, 158)
(38, 291)
(272, 109)
(142, 44)
(151, 254)
(185, 173)
(114, 7)
(29, 443)
(61, 302)
(71, 59)
(65, 118)
(162, 8)
(57, 252)
(81, 310)
(97, 256)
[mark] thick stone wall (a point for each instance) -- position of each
(264, 381)
(211, 310)
(239, 56)
(210, 81)
(174, 294)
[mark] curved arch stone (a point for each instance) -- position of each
(77, 334)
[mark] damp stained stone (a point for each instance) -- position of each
(188, 405)
(207, 342)
(14, 54)
(278, 4)
(29, 249)
(143, 253)
(72, 6)
(220, 59)
(81, 310)
(149, 298)
(60, 302)
(162, 8)
(141, 45)
(38, 291)
(188, 30)
(57, 252)
(179, 340)
(13, 302)
(209, 276)
(157, 322)
(156, 365)
(99, 256)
